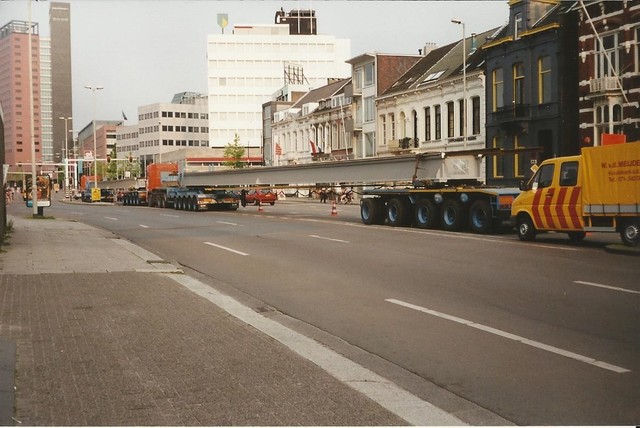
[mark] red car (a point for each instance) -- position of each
(261, 196)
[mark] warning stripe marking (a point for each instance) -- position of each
(547, 208)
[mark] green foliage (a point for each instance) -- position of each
(234, 152)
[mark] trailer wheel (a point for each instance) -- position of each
(630, 233)
(452, 215)
(425, 214)
(162, 203)
(526, 229)
(398, 212)
(480, 217)
(179, 203)
(372, 211)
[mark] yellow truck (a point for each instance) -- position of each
(597, 191)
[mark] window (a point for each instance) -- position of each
(392, 123)
(475, 120)
(498, 89)
(383, 129)
(498, 161)
(544, 79)
(368, 109)
(607, 48)
(438, 118)
(369, 74)
(461, 119)
(518, 83)
(427, 123)
(519, 159)
(569, 174)
(517, 25)
(544, 177)
(450, 119)
(357, 78)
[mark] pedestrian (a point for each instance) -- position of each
(323, 195)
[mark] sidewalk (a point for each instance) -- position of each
(101, 332)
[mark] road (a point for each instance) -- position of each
(542, 333)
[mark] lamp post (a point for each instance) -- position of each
(93, 90)
(34, 184)
(464, 80)
(66, 153)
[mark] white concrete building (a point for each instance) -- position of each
(425, 111)
(248, 65)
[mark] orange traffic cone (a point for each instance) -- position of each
(260, 209)
(334, 209)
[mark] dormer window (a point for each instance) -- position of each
(517, 26)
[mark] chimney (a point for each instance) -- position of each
(473, 43)
(428, 47)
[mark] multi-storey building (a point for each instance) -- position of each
(531, 89)
(19, 131)
(609, 69)
(105, 142)
(46, 115)
(314, 126)
(247, 66)
(62, 106)
(372, 74)
(425, 109)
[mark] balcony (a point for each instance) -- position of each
(603, 84)
(515, 112)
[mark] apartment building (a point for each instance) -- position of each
(372, 74)
(19, 131)
(609, 70)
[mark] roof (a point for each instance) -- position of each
(322, 93)
(442, 63)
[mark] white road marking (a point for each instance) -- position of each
(142, 225)
(609, 287)
(384, 392)
(111, 218)
(170, 215)
(227, 222)
(226, 249)
(517, 338)
(329, 239)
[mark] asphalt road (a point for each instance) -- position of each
(543, 333)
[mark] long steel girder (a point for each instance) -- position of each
(436, 167)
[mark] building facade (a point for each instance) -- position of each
(14, 92)
(62, 105)
(372, 74)
(247, 66)
(609, 70)
(531, 89)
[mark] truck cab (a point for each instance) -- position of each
(597, 191)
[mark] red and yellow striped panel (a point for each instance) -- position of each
(557, 209)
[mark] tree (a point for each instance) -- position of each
(234, 152)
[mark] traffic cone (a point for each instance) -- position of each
(334, 209)
(260, 209)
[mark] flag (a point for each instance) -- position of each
(278, 149)
(314, 150)
(124, 116)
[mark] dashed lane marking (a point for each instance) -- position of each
(609, 287)
(510, 336)
(227, 249)
(329, 239)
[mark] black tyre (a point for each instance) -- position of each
(481, 217)
(372, 211)
(526, 229)
(398, 210)
(452, 215)
(630, 233)
(425, 214)
(576, 236)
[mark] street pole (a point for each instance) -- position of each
(34, 184)
(464, 80)
(66, 154)
(93, 110)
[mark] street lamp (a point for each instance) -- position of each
(464, 80)
(93, 90)
(66, 153)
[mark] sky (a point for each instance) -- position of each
(143, 52)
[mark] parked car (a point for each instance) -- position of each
(261, 196)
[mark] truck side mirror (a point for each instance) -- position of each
(523, 185)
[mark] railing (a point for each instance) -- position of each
(603, 84)
(517, 111)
